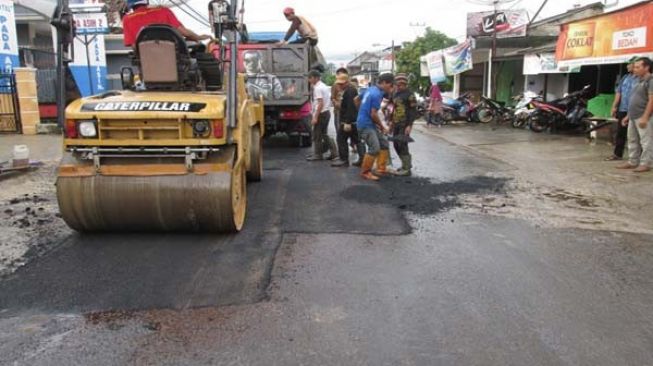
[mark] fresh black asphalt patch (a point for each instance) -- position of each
(420, 195)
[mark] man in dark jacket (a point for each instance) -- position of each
(403, 116)
(347, 127)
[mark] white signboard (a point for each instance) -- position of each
(8, 40)
(629, 38)
(91, 23)
(90, 68)
(544, 63)
(436, 67)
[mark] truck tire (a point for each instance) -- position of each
(255, 171)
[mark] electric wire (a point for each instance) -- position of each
(201, 20)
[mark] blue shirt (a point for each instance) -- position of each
(371, 100)
(625, 88)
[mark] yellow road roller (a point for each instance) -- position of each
(171, 152)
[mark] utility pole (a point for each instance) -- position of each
(393, 56)
(493, 52)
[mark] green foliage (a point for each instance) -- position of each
(407, 58)
(328, 77)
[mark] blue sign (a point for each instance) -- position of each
(8, 39)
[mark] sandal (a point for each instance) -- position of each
(613, 158)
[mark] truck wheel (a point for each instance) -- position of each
(255, 171)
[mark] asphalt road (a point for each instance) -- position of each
(332, 270)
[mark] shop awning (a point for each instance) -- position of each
(607, 38)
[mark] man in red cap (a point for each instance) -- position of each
(306, 30)
(143, 15)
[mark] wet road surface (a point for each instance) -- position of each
(333, 270)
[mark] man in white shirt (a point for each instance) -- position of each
(321, 102)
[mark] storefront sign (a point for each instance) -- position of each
(610, 38)
(90, 65)
(629, 38)
(436, 67)
(544, 63)
(508, 23)
(8, 40)
(458, 59)
(91, 23)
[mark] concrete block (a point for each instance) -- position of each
(28, 104)
(48, 129)
(26, 90)
(25, 74)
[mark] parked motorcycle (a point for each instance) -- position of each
(461, 108)
(524, 108)
(567, 113)
(489, 110)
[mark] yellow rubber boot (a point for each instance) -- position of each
(366, 168)
(382, 162)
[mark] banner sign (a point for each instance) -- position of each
(544, 63)
(508, 23)
(9, 41)
(607, 39)
(435, 63)
(89, 67)
(458, 59)
(91, 23)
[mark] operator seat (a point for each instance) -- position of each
(162, 56)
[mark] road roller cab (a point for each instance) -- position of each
(171, 154)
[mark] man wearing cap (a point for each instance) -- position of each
(306, 30)
(336, 96)
(403, 117)
(372, 130)
(143, 15)
(620, 110)
(347, 128)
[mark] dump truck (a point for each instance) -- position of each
(174, 149)
(278, 73)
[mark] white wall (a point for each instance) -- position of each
(557, 85)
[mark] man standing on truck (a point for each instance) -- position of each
(403, 116)
(306, 30)
(143, 15)
(372, 130)
(348, 114)
(321, 102)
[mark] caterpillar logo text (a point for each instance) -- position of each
(143, 107)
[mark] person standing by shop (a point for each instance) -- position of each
(435, 106)
(371, 128)
(403, 117)
(321, 103)
(640, 111)
(620, 111)
(347, 130)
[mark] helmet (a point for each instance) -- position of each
(133, 3)
(288, 11)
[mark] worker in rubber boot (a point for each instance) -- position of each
(142, 15)
(371, 129)
(403, 117)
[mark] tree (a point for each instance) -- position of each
(329, 77)
(407, 59)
